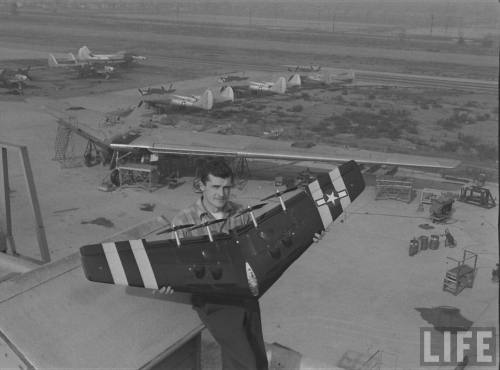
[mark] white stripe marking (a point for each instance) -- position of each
(339, 185)
(144, 264)
(114, 263)
(324, 212)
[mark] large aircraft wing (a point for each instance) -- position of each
(182, 142)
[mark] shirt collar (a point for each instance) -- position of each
(202, 212)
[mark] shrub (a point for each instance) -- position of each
(297, 108)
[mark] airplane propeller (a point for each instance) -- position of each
(207, 224)
(175, 228)
(280, 193)
(250, 209)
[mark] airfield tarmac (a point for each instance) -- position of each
(354, 293)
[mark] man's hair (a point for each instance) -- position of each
(216, 167)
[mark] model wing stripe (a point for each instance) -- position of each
(114, 263)
(339, 185)
(144, 264)
(324, 212)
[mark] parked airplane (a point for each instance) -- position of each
(14, 80)
(84, 69)
(121, 57)
(278, 87)
(343, 77)
(156, 90)
(231, 78)
(299, 68)
(204, 101)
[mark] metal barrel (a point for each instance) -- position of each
(423, 242)
(434, 242)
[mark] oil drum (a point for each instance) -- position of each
(413, 247)
(434, 242)
(423, 241)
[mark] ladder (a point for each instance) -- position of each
(462, 275)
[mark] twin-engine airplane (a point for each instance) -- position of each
(121, 57)
(342, 77)
(278, 87)
(303, 68)
(15, 80)
(160, 100)
(156, 90)
(84, 69)
(231, 78)
(12, 80)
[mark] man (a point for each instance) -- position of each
(234, 323)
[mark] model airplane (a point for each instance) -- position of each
(204, 101)
(278, 87)
(119, 58)
(212, 265)
(303, 68)
(14, 80)
(84, 69)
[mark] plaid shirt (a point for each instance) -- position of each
(197, 214)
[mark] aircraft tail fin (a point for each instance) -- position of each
(294, 81)
(226, 94)
(353, 76)
(52, 61)
(84, 53)
(279, 86)
(206, 100)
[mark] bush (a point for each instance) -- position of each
(297, 108)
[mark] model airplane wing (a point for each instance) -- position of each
(178, 141)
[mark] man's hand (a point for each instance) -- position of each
(318, 236)
(164, 290)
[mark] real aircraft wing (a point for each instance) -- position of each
(182, 142)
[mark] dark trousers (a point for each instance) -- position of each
(238, 330)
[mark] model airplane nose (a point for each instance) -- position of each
(108, 69)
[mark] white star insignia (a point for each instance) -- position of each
(332, 197)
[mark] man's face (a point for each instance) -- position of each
(216, 192)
